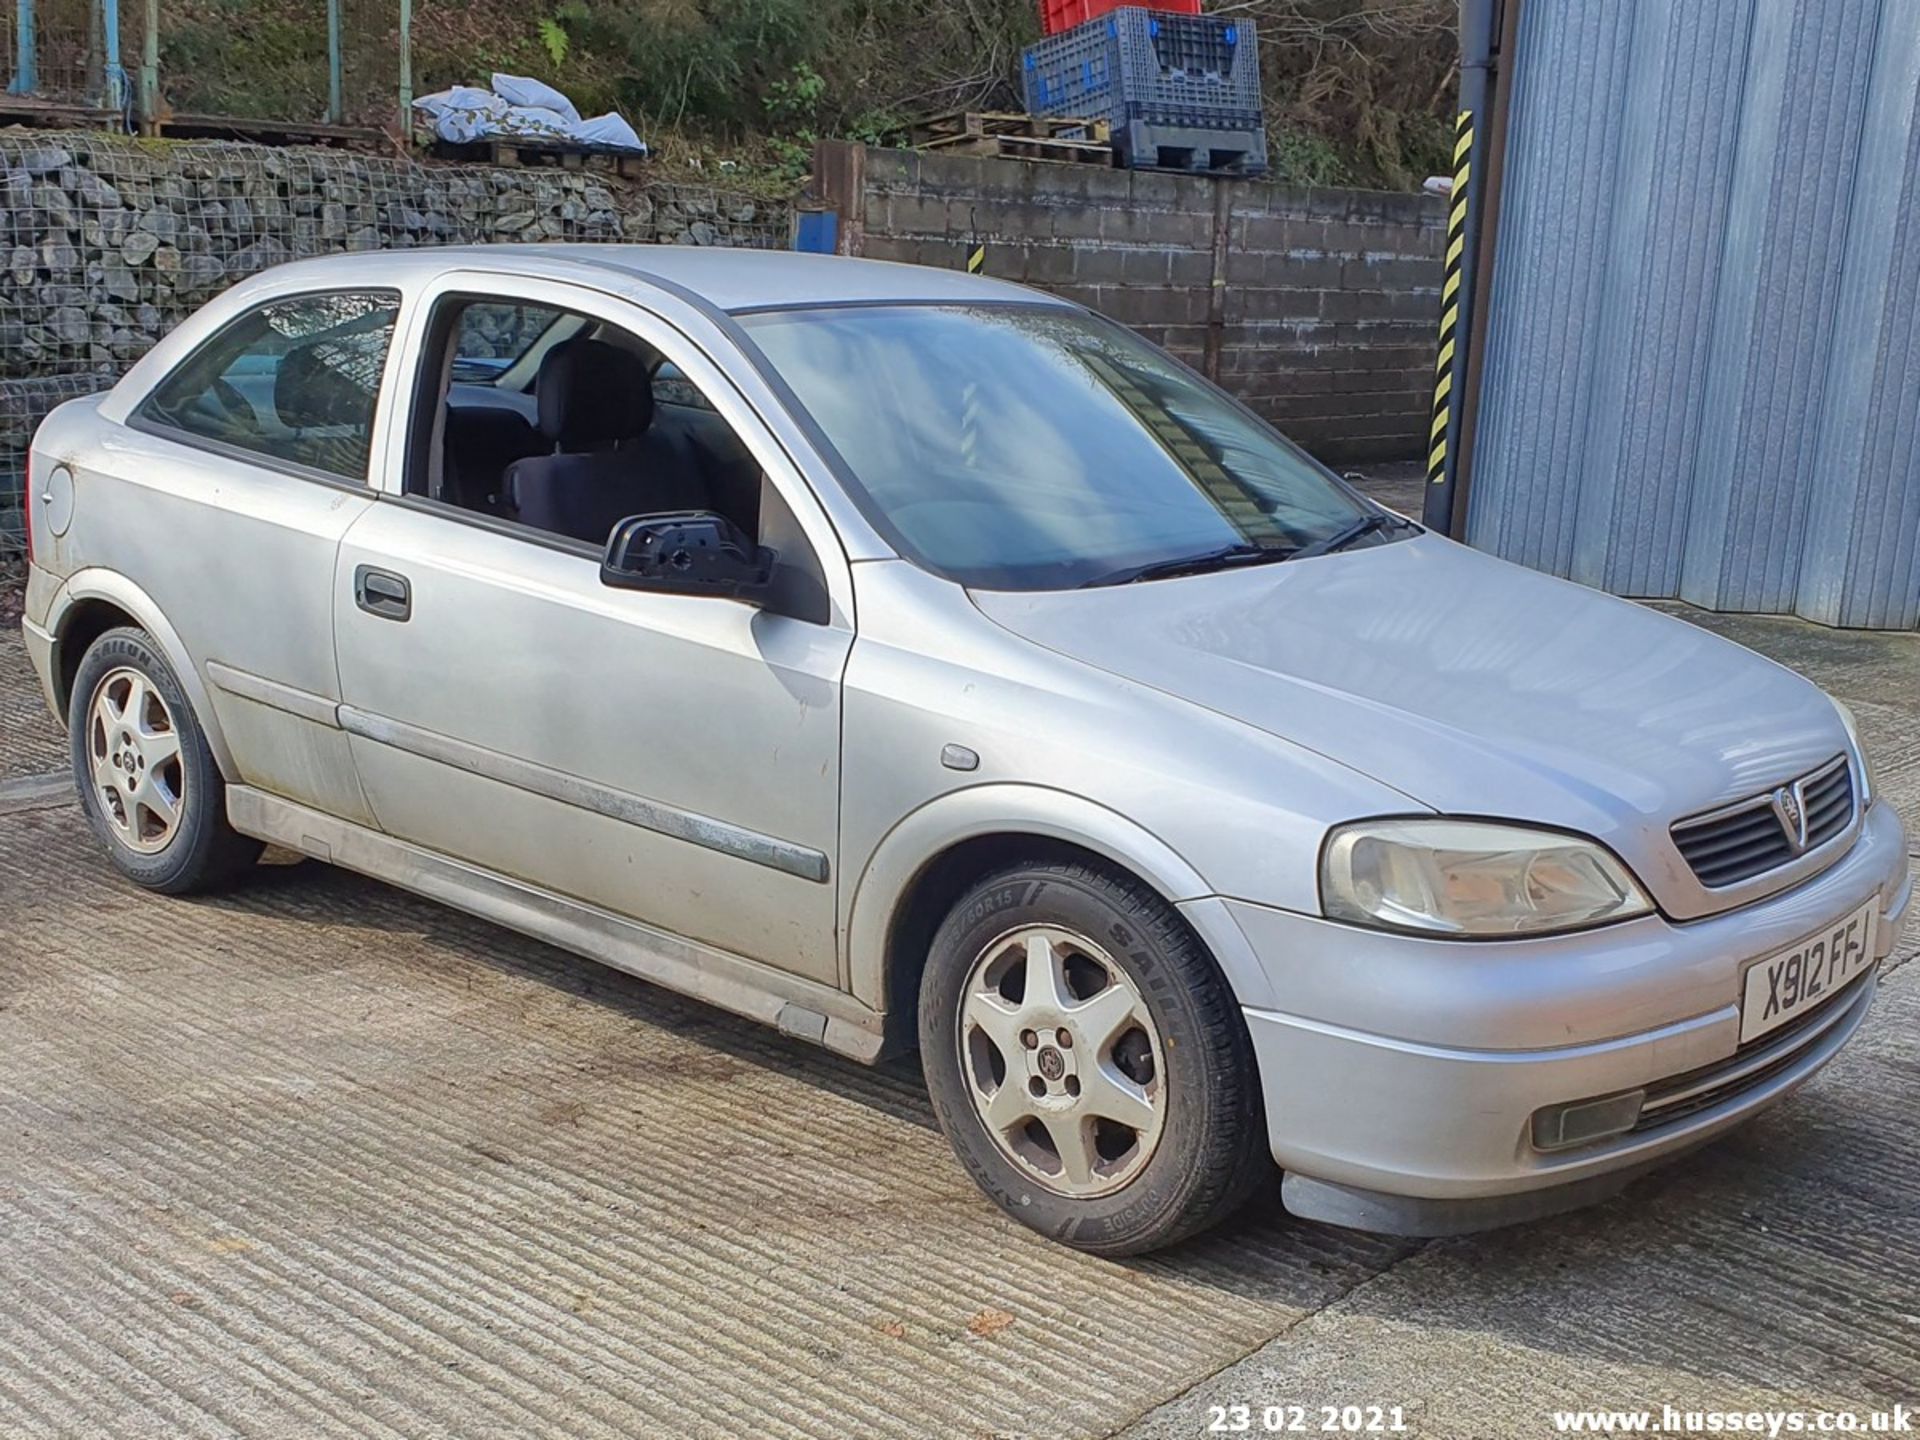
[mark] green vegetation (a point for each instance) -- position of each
(1359, 92)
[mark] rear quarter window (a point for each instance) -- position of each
(294, 380)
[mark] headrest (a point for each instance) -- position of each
(590, 393)
(485, 431)
(318, 385)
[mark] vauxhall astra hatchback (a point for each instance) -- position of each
(910, 660)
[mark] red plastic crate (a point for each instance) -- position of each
(1059, 15)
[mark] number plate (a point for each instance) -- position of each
(1796, 980)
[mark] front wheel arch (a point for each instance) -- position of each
(934, 891)
(936, 851)
(1201, 1148)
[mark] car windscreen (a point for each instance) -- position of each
(1028, 447)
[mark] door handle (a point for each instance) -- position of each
(382, 593)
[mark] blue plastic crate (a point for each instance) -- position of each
(1135, 64)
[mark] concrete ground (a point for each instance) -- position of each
(318, 1159)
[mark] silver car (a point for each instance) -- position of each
(906, 659)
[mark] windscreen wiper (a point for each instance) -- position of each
(1340, 539)
(1226, 557)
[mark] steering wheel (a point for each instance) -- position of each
(234, 406)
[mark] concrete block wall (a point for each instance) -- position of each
(1327, 303)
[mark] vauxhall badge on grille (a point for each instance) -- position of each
(1789, 807)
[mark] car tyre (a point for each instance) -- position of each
(147, 779)
(1113, 1104)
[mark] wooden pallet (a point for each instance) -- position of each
(1028, 147)
(26, 110)
(268, 132)
(1058, 139)
(963, 123)
(29, 110)
(518, 150)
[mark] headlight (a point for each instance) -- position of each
(1466, 877)
(1859, 752)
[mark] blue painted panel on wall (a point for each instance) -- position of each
(816, 231)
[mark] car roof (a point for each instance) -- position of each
(731, 279)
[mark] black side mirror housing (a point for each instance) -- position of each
(687, 552)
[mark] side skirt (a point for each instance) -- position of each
(793, 1005)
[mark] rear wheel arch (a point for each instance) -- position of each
(84, 622)
(93, 602)
(147, 781)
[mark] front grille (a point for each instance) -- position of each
(1752, 1065)
(1740, 841)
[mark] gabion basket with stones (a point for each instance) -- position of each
(106, 242)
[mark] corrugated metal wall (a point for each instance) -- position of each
(1703, 358)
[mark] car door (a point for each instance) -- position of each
(670, 759)
(235, 479)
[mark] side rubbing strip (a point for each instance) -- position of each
(263, 691)
(1450, 300)
(700, 830)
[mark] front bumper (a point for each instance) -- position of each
(1400, 1092)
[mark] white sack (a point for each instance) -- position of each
(519, 106)
(463, 113)
(610, 129)
(538, 123)
(522, 90)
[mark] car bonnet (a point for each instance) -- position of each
(1475, 686)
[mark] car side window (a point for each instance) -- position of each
(603, 430)
(494, 335)
(294, 380)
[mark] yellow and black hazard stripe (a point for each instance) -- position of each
(970, 392)
(1450, 300)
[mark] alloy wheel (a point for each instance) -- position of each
(133, 755)
(1062, 1060)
